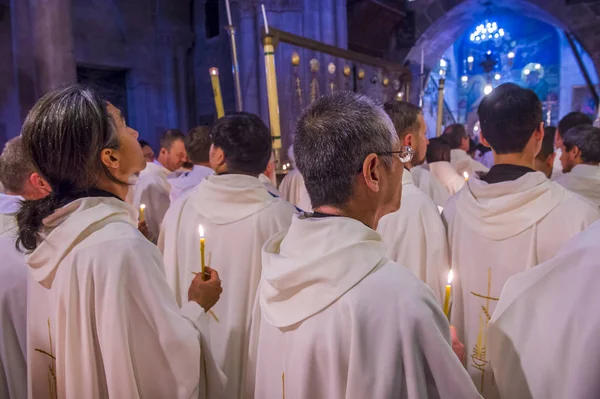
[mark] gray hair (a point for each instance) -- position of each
(333, 137)
(587, 139)
(15, 167)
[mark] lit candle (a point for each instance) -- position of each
(202, 244)
(216, 86)
(466, 175)
(448, 292)
(142, 213)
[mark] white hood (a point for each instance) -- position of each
(244, 196)
(583, 180)
(70, 225)
(315, 262)
(502, 210)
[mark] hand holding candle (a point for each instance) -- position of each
(448, 293)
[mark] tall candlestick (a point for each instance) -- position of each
(202, 244)
(229, 20)
(447, 296)
(142, 213)
(216, 86)
(272, 94)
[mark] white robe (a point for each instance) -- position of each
(494, 232)
(238, 216)
(13, 305)
(463, 162)
(544, 332)
(291, 186)
(557, 169)
(448, 176)
(104, 311)
(430, 185)
(415, 237)
(583, 180)
(337, 319)
(188, 180)
(153, 190)
(268, 183)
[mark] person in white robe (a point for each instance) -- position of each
(429, 184)
(335, 317)
(269, 177)
(414, 235)
(197, 147)
(510, 221)
(292, 185)
(147, 151)
(238, 215)
(21, 182)
(456, 136)
(544, 160)
(580, 159)
(152, 188)
(543, 333)
(568, 122)
(102, 322)
(438, 162)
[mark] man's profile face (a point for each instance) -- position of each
(175, 155)
(567, 159)
(422, 143)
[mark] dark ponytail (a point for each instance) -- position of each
(63, 136)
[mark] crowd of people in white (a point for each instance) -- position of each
(192, 273)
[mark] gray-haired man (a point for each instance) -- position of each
(20, 182)
(337, 319)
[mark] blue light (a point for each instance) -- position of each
(487, 31)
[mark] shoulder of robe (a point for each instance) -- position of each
(282, 207)
(396, 288)
(117, 243)
(577, 207)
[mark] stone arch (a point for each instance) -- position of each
(439, 23)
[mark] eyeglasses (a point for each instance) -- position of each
(405, 155)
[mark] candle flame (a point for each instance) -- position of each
(450, 276)
(143, 206)
(466, 175)
(284, 167)
(201, 231)
(214, 71)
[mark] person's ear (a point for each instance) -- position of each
(539, 133)
(217, 158)
(575, 152)
(409, 140)
(110, 158)
(484, 141)
(40, 185)
(557, 140)
(371, 172)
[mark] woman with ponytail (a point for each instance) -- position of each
(102, 320)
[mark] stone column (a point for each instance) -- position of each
(52, 38)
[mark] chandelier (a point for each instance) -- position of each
(487, 31)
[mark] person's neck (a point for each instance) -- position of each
(120, 190)
(365, 217)
(161, 162)
(235, 172)
(517, 159)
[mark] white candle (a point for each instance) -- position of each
(422, 62)
(264, 13)
(229, 21)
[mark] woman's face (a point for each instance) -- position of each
(131, 156)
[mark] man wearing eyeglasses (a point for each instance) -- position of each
(415, 235)
(336, 318)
